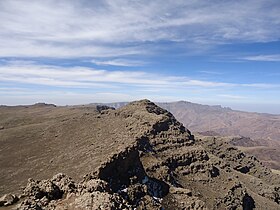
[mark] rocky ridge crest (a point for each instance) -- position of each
(159, 164)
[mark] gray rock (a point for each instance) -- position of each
(8, 199)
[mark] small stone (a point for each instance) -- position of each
(178, 190)
(8, 199)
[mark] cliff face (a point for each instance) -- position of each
(138, 156)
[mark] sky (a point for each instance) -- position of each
(76, 52)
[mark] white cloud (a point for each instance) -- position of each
(209, 83)
(235, 97)
(118, 62)
(85, 77)
(71, 28)
(274, 57)
(76, 76)
(212, 72)
(262, 85)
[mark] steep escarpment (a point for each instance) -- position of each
(140, 156)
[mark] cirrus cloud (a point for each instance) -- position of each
(116, 28)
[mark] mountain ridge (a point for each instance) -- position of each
(138, 156)
(262, 128)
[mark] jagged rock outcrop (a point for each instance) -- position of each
(101, 108)
(237, 198)
(140, 156)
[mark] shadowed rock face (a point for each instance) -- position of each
(263, 129)
(138, 156)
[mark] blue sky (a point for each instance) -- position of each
(75, 52)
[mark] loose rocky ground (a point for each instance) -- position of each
(138, 156)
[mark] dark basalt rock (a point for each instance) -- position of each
(248, 202)
(101, 108)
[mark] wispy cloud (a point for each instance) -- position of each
(208, 84)
(262, 85)
(274, 57)
(118, 62)
(211, 72)
(116, 28)
(235, 97)
(85, 77)
(75, 76)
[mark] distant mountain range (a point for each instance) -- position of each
(225, 121)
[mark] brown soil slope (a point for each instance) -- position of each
(138, 156)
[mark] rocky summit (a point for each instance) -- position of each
(135, 157)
